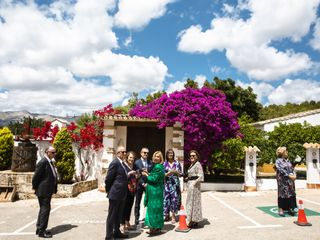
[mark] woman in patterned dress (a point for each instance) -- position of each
(154, 195)
(194, 179)
(285, 181)
(172, 192)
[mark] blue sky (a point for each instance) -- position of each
(69, 57)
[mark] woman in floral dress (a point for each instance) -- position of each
(285, 181)
(172, 192)
(154, 195)
(194, 179)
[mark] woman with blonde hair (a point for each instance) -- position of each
(285, 181)
(154, 195)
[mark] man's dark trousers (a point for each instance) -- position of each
(115, 210)
(44, 212)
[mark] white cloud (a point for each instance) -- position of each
(200, 79)
(215, 69)
(248, 43)
(262, 90)
(315, 42)
(295, 91)
(175, 86)
(124, 71)
(56, 59)
(138, 13)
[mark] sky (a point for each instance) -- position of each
(68, 57)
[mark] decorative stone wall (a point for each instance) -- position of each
(23, 184)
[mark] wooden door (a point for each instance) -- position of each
(150, 137)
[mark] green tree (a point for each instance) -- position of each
(292, 136)
(6, 148)
(231, 155)
(151, 97)
(275, 111)
(85, 119)
(65, 157)
(133, 100)
(191, 84)
(243, 101)
(24, 125)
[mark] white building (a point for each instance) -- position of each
(61, 123)
(311, 117)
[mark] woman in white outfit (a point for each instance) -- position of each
(194, 179)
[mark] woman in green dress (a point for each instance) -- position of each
(154, 195)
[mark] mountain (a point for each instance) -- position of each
(13, 116)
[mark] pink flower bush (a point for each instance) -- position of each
(206, 117)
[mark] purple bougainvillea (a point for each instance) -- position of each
(206, 117)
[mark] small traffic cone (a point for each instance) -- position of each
(302, 219)
(182, 221)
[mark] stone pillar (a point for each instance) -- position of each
(251, 168)
(109, 145)
(178, 145)
(313, 165)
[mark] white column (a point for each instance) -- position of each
(313, 165)
(251, 168)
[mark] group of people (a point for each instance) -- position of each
(128, 178)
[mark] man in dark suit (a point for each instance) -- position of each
(116, 184)
(44, 182)
(142, 164)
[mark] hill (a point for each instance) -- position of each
(13, 116)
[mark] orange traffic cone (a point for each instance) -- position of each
(182, 221)
(302, 219)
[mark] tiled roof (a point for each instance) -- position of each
(126, 117)
(288, 117)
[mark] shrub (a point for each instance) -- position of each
(6, 148)
(65, 157)
(206, 118)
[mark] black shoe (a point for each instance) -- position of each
(45, 234)
(37, 231)
(120, 235)
(291, 213)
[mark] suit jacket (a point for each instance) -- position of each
(44, 182)
(116, 182)
(138, 165)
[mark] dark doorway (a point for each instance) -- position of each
(150, 137)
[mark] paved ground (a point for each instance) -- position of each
(228, 215)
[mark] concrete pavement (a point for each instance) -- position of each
(227, 215)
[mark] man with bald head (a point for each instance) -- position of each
(116, 184)
(44, 182)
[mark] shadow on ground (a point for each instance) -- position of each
(62, 228)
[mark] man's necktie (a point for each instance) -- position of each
(53, 169)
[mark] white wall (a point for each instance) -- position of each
(313, 120)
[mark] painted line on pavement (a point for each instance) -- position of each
(306, 200)
(17, 234)
(256, 224)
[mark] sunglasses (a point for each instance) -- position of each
(193, 155)
(122, 152)
(53, 152)
(145, 152)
